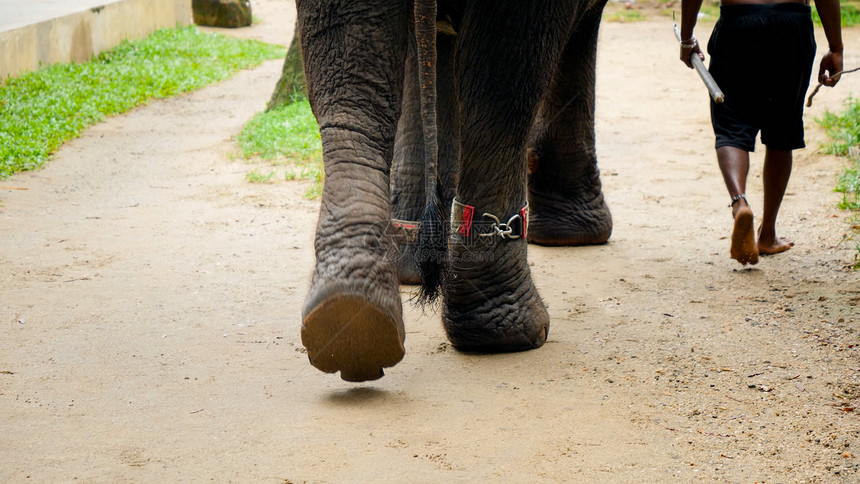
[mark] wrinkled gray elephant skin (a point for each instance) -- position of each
(516, 144)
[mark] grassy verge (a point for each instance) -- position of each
(844, 131)
(41, 110)
(286, 141)
(623, 16)
(637, 10)
(850, 15)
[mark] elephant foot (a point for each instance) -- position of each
(344, 331)
(505, 328)
(556, 220)
(491, 304)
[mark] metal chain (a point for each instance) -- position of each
(502, 229)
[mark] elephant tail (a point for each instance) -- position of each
(431, 256)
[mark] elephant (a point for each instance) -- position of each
(516, 164)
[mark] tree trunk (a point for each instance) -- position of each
(292, 79)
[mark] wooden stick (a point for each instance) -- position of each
(835, 76)
(12, 188)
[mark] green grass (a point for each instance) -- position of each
(287, 135)
(41, 110)
(850, 15)
(625, 16)
(289, 130)
(710, 8)
(844, 131)
(256, 177)
(848, 184)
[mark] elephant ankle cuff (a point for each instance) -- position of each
(405, 231)
(466, 224)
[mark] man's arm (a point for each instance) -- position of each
(689, 16)
(831, 20)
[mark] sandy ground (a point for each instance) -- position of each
(150, 311)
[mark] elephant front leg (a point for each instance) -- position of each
(565, 192)
(352, 318)
(507, 52)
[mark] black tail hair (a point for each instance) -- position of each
(431, 256)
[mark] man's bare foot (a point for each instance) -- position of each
(773, 246)
(744, 248)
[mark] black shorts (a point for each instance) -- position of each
(761, 57)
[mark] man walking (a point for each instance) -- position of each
(762, 53)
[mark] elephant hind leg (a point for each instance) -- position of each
(565, 192)
(346, 333)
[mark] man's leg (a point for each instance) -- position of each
(735, 165)
(777, 170)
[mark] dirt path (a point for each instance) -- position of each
(150, 299)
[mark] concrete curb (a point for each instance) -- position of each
(96, 25)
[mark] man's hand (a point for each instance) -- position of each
(692, 46)
(831, 64)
